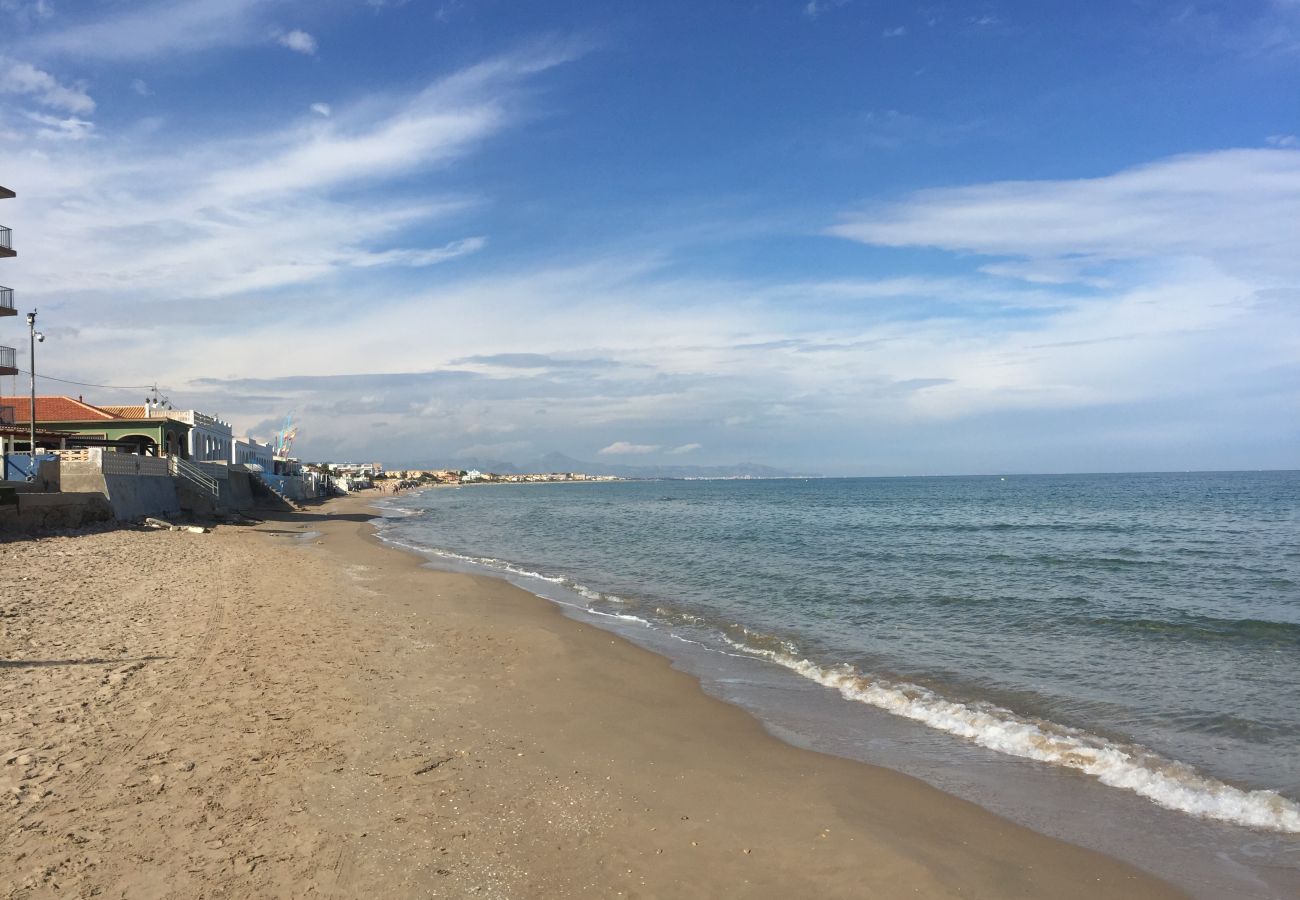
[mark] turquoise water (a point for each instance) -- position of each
(1141, 629)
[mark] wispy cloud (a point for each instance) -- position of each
(182, 211)
(70, 128)
(685, 448)
(156, 29)
(1236, 207)
(26, 12)
(815, 8)
(298, 41)
(896, 32)
(322, 109)
(626, 448)
(18, 77)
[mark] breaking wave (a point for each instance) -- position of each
(1169, 783)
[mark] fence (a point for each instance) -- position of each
(17, 466)
(6, 358)
(130, 464)
(6, 238)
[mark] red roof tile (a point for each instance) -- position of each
(54, 409)
(126, 412)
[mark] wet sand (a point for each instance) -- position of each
(253, 712)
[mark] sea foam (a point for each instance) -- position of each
(1169, 783)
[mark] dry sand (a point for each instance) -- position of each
(251, 713)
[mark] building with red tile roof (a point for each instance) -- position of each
(76, 418)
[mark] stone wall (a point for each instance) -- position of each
(53, 512)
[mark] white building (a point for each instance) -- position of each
(245, 451)
(210, 440)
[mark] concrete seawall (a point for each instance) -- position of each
(130, 496)
(53, 512)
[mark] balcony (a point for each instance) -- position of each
(7, 366)
(7, 302)
(6, 242)
(6, 193)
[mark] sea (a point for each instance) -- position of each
(1111, 659)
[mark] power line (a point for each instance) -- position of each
(111, 387)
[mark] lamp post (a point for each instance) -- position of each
(34, 337)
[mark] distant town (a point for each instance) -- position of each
(353, 476)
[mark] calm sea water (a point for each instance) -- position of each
(1141, 629)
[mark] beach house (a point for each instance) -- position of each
(8, 363)
(81, 424)
(208, 440)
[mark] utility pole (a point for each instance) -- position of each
(33, 336)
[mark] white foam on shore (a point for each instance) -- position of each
(1170, 784)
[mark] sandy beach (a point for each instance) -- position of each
(292, 709)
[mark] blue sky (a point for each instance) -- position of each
(846, 237)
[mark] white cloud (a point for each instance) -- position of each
(441, 123)
(26, 12)
(815, 8)
(322, 109)
(420, 258)
(1282, 140)
(17, 77)
(298, 41)
(141, 87)
(894, 32)
(1237, 207)
(183, 210)
(625, 448)
(70, 128)
(157, 29)
(685, 448)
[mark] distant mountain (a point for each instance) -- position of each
(558, 462)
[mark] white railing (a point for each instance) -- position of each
(81, 454)
(184, 469)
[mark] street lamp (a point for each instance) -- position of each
(35, 336)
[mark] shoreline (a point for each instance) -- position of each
(408, 731)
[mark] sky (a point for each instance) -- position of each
(850, 237)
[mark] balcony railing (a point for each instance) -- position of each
(6, 237)
(6, 357)
(6, 298)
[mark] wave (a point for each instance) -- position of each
(1206, 628)
(1169, 783)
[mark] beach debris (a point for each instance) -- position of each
(431, 765)
(164, 525)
